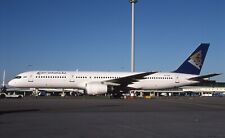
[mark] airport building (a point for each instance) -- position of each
(203, 89)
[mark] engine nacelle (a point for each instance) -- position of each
(96, 88)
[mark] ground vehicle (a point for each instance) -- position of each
(10, 95)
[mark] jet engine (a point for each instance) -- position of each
(96, 88)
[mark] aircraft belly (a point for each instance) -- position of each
(153, 85)
(52, 84)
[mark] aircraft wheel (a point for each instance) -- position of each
(2, 96)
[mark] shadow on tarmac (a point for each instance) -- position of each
(18, 111)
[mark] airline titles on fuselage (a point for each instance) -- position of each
(51, 72)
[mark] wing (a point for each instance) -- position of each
(124, 81)
(202, 77)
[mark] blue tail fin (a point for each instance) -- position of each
(193, 64)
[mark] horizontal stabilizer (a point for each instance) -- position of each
(202, 77)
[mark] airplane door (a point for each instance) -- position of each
(177, 79)
(72, 78)
(30, 78)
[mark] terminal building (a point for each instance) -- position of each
(203, 89)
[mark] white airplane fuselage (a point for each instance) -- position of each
(79, 80)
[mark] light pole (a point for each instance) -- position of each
(3, 79)
(132, 35)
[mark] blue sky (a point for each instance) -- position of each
(86, 35)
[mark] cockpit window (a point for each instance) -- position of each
(18, 77)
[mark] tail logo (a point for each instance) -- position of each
(196, 59)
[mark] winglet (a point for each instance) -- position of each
(193, 64)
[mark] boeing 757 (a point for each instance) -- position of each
(94, 83)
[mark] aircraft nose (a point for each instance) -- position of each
(11, 83)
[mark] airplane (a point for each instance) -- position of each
(95, 83)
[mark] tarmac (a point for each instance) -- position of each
(96, 117)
